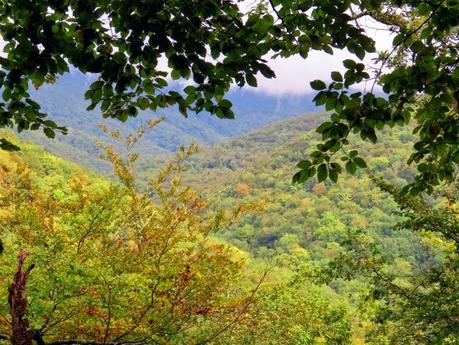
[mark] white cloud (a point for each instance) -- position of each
(295, 73)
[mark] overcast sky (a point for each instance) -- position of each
(295, 73)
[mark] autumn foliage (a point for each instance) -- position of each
(116, 265)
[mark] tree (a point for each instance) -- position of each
(215, 43)
(426, 310)
(415, 304)
(103, 263)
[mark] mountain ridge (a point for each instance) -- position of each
(64, 102)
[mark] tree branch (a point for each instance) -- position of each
(238, 316)
(90, 342)
(293, 38)
(407, 36)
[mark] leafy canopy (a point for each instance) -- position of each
(214, 43)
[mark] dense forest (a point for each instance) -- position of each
(215, 245)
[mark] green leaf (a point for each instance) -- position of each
(88, 94)
(349, 64)
(224, 103)
(266, 71)
(351, 168)
(175, 74)
(353, 154)
(143, 103)
(417, 46)
(423, 168)
(305, 164)
(360, 52)
(7, 145)
(265, 23)
(189, 89)
(333, 174)
(296, 178)
(318, 85)
(49, 132)
(161, 82)
(251, 80)
(336, 76)
(398, 39)
(360, 162)
(324, 126)
(322, 172)
(97, 85)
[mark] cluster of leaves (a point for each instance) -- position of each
(123, 43)
(216, 44)
(420, 77)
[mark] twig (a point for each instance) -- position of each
(378, 74)
(238, 316)
(283, 22)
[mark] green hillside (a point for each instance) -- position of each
(303, 252)
(313, 224)
(260, 165)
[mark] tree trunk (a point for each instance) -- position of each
(22, 335)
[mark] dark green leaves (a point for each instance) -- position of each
(318, 85)
(49, 132)
(360, 162)
(351, 168)
(349, 64)
(216, 45)
(7, 145)
(322, 172)
(336, 76)
(266, 71)
(251, 80)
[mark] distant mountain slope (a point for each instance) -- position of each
(238, 153)
(64, 102)
(258, 167)
(49, 171)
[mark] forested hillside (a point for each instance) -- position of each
(259, 166)
(304, 264)
(319, 231)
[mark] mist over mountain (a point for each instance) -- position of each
(64, 102)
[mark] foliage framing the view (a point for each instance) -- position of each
(215, 44)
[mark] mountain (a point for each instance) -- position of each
(64, 102)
